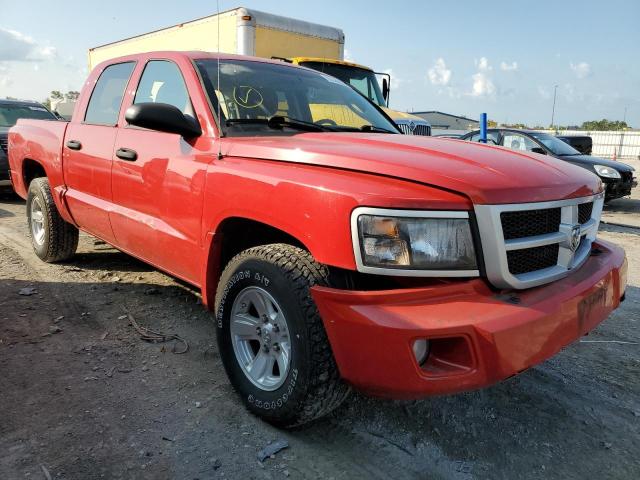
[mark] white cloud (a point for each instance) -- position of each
(581, 70)
(483, 64)
(18, 47)
(439, 74)
(396, 81)
(507, 67)
(482, 85)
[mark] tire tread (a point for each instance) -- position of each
(62, 241)
(326, 390)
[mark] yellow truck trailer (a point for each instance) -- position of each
(246, 31)
(241, 31)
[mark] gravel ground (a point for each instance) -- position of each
(83, 398)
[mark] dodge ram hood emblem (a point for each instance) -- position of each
(574, 241)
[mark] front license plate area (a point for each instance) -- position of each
(592, 308)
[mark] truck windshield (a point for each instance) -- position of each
(363, 80)
(10, 113)
(265, 98)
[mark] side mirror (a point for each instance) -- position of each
(385, 89)
(163, 118)
(539, 150)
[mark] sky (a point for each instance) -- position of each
(464, 57)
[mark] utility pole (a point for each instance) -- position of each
(553, 109)
(624, 118)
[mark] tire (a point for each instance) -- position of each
(310, 386)
(52, 238)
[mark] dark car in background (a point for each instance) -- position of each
(582, 143)
(617, 177)
(10, 112)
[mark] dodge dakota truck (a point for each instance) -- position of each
(332, 256)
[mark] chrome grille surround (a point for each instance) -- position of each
(411, 127)
(495, 247)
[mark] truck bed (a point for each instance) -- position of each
(36, 139)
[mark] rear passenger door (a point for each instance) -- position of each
(88, 150)
(158, 194)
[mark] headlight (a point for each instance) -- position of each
(606, 172)
(413, 243)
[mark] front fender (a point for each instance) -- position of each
(312, 204)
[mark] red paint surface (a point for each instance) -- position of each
(371, 333)
(167, 208)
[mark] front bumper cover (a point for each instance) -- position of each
(478, 337)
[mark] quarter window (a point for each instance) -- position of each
(162, 82)
(106, 98)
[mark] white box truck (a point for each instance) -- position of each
(242, 31)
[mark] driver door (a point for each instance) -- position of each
(158, 180)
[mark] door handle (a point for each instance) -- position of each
(127, 154)
(74, 145)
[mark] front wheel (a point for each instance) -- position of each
(52, 238)
(271, 337)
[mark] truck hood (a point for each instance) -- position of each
(486, 174)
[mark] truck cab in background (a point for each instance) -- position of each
(365, 80)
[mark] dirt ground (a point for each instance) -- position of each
(81, 397)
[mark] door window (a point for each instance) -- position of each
(162, 82)
(106, 98)
(517, 141)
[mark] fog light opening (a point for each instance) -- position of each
(421, 350)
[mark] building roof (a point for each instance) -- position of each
(446, 114)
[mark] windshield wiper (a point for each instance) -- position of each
(278, 121)
(373, 128)
(364, 128)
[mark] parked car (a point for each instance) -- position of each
(582, 143)
(617, 177)
(10, 112)
(332, 256)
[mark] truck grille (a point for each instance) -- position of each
(526, 245)
(4, 144)
(529, 223)
(532, 259)
(584, 212)
(412, 128)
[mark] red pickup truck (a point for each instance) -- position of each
(332, 255)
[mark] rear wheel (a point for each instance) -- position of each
(271, 337)
(52, 238)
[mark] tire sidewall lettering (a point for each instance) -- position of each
(282, 400)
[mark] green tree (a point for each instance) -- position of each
(56, 95)
(72, 95)
(604, 124)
